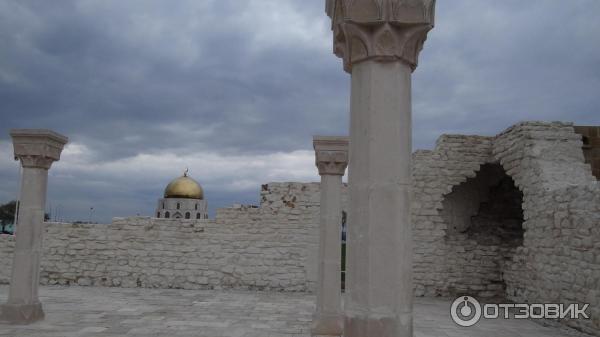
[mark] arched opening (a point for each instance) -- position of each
(196, 207)
(198, 215)
(158, 214)
(167, 215)
(178, 205)
(591, 151)
(586, 141)
(187, 215)
(484, 219)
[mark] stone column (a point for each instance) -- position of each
(379, 41)
(37, 150)
(331, 159)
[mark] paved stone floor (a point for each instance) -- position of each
(112, 312)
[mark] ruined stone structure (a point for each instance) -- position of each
(516, 215)
(273, 247)
(472, 238)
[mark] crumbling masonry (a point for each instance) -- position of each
(516, 216)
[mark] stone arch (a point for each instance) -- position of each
(484, 227)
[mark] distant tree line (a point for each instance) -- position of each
(7, 217)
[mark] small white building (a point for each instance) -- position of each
(183, 199)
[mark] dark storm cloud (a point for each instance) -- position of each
(145, 88)
(489, 64)
(99, 77)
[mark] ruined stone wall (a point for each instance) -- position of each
(560, 257)
(449, 264)
(484, 226)
(270, 247)
(557, 259)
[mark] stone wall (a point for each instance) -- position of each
(448, 264)
(590, 136)
(270, 247)
(7, 246)
(559, 260)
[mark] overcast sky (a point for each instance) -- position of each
(234, 89)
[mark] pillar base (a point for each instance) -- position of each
(21, 313)
(377, 326)
(327, 325)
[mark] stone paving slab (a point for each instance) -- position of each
(119, 312)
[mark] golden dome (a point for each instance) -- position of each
(184, 187)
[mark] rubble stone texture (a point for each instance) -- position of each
(554, 257)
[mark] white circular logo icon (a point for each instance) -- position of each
(465, 311)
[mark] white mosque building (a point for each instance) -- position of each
(183, 199)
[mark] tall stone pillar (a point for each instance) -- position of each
(331, 160)
(379, 41)
(36, 149)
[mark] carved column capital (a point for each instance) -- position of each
(383, 30)
(37, 148)
(331, 155)
(36, 162)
